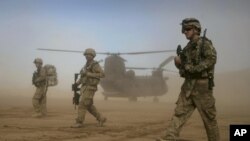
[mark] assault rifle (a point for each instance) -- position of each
(75, 89)
(179, 52)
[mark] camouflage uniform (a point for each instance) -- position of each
(39, 98)
(194, 91)
(90, 77)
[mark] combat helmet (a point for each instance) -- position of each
(90, 51)
(38, 60)
(191, 22)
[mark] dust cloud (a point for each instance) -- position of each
(124, 26)
(134, 121)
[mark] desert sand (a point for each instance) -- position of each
(143, 120)
(127, 121)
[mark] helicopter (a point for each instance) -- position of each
(121, 81)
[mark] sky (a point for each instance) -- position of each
(114, 26)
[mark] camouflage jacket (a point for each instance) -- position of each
(91, 74)
(199, 61)
(39, 77)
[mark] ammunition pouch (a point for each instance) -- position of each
(195, 76)
(93, 81)
(40, 84)
(90, 81)
(201, 75)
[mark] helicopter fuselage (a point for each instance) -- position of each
(121, 83)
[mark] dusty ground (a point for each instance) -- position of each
(141, 121)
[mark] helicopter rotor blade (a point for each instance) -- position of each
(107, 53)
(146, 52)
(72, 51)
(144, 68)
(60, 50)
(140, 68)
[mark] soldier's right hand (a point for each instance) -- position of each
(177, 61)
(74, 86)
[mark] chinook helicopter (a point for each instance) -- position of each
(121, 81)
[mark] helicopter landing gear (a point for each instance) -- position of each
(132, 99)
(155, 100)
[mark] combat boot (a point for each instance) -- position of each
(161, 139)
(167, 138)
(78, 124)
(37, 115)
(101, 121)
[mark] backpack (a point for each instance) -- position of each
(51, 75)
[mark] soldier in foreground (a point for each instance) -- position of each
(40, 82)
(196, 64)
(90, 77)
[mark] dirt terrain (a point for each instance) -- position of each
(127, 121)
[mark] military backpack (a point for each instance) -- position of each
(51, 75)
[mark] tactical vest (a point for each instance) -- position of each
(194, 53)
(89, 81)
(36, 75)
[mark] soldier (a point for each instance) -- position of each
(196, 64)
(40, 82)
(90, 77)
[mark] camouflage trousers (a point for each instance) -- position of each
(87, 104)
(39, 100)
(202, 99)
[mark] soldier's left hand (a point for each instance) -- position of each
(177, 62)
(189, 68)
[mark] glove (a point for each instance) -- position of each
(189, 68)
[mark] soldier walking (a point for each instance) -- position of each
(196, 65)
(90, 77)
(40, 82)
